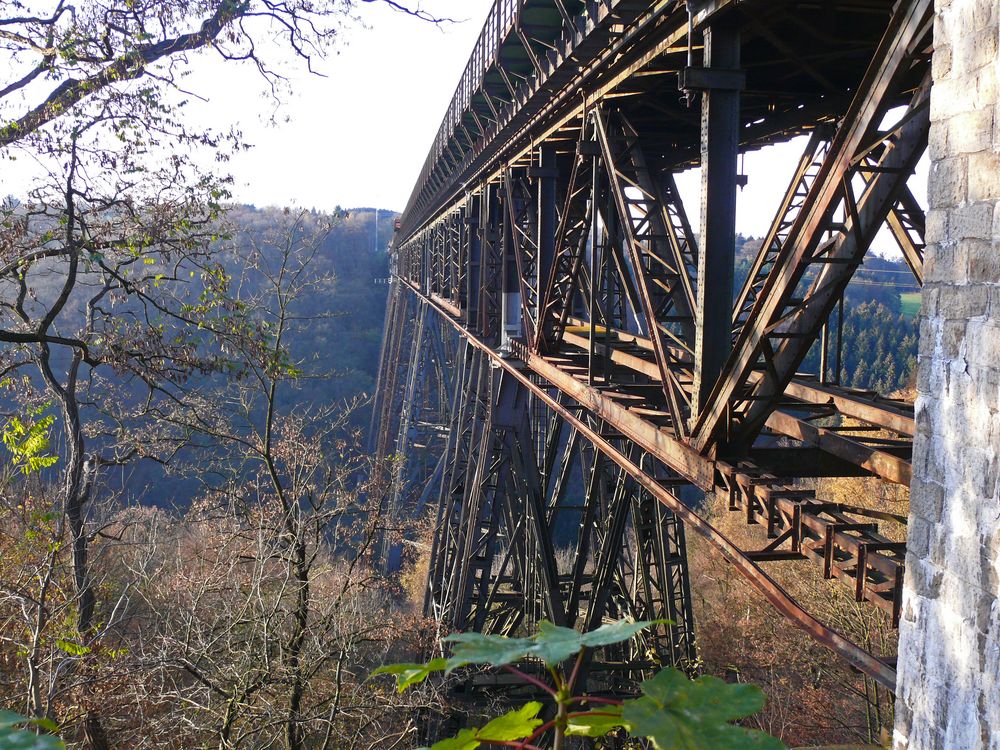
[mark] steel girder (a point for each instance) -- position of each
(832, 232)
(568, 266)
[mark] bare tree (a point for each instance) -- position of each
(268, 638)
(83, 52)
(107, 276)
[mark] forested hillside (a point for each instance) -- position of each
(199, 407)
(334, 343)
(340, 348)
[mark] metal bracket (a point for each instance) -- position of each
(703, 79)
(538, 173)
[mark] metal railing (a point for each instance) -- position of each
(501, 21)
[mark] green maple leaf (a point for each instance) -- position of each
(596, 723)
(555, 644)
(464, 740)
(12, 738)
(616, 632)
(515, 725)
(552, 644)
(681, 714)
(476, 648)
(512, 726)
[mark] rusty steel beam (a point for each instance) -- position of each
(879, 462)
(891, 416)
(802, 527)
(676, 454)
(648, 268)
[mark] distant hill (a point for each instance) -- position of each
(338, 348)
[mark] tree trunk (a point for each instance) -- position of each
(294, 734)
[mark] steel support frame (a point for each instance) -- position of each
(493, 563)
(596, 431)
(620, 342)
(720, 143)
(785, 319)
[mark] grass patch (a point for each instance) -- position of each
(910, 304)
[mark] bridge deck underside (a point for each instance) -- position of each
(550, 237)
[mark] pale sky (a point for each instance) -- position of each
(359, 136)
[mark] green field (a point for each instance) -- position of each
(910, 303)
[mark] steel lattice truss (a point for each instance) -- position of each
(588, 356)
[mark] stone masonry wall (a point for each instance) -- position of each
(949, 651)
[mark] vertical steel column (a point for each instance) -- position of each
(720, 131)
(509, 248)
(472, 218)
(546, 173)
(491, 286)
(595, 240)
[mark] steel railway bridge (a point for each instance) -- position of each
(564, 359)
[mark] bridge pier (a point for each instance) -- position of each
(949, 653)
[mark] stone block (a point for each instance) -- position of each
(982, 348)
(967, 15)
(970, 132)
(986, 87)
(933, 261)
(930, 299)
(923, 378)
(925, 578)
(989, 398)
(930, 505)
(972, 221)
(966, 301)
(941, 64)
(947, 100)
(937, 138)
(989, 581)
(918, 542)
(936, 225)
(929, 331)
(984, 175)
(983, 261)
(973, 49)
(996, 127)
(952, 338)
(948, 182)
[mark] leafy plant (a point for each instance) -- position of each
(12, 738)
(28, 441)
(673, 712)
